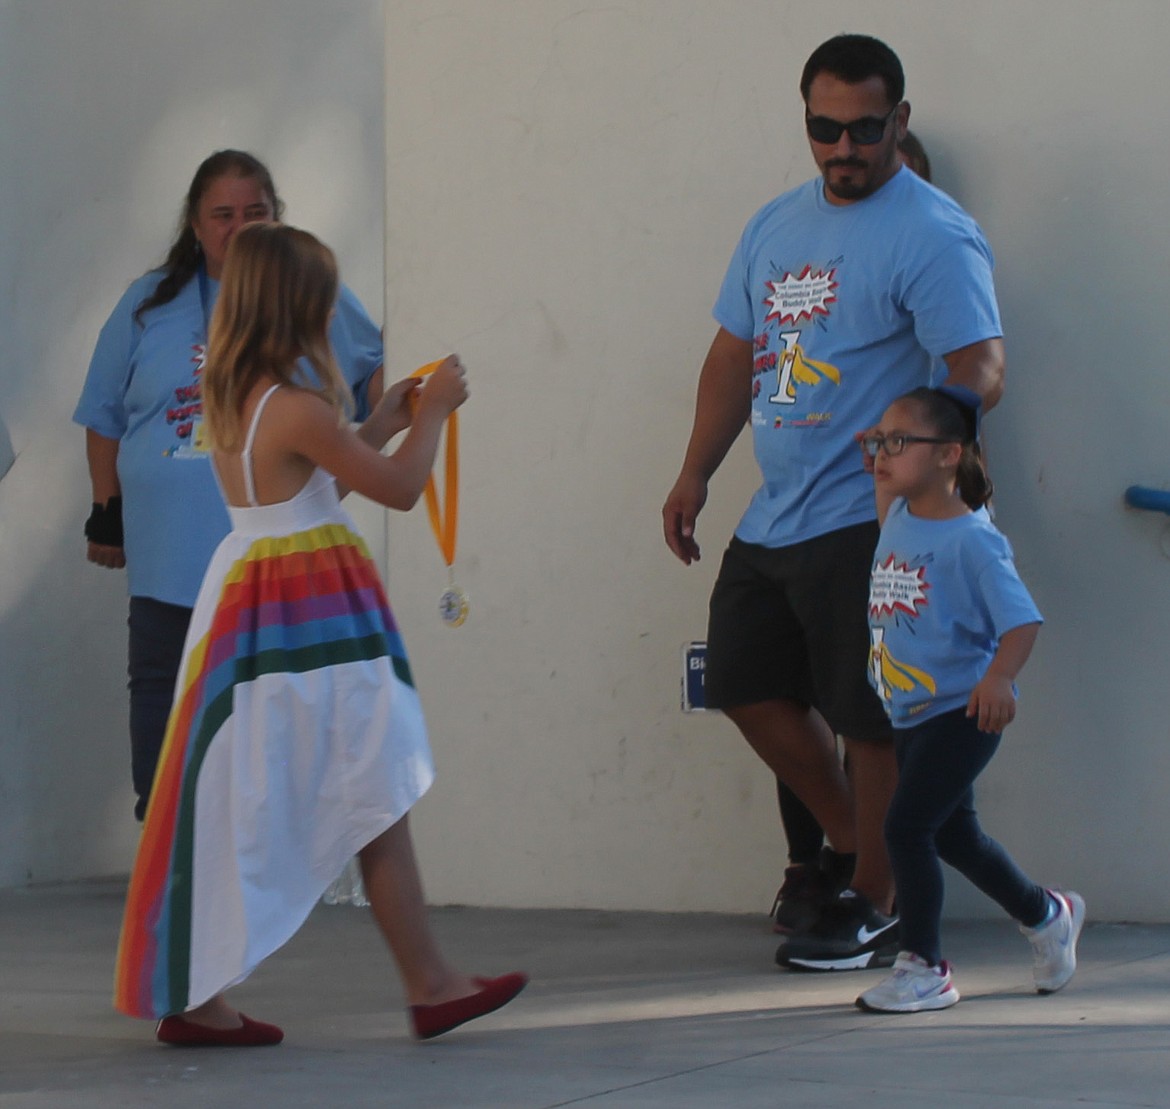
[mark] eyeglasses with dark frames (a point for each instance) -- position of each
(865, 131)
(896, 442)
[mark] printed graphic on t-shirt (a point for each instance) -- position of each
(185, 415)
(802, 296)
(897, 593)
(794, 301)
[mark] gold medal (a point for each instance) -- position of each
(453, 606)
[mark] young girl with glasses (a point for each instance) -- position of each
(951, 626)
(296, 739)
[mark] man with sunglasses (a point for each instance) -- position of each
(842, 294)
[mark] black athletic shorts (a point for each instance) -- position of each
(789, 623)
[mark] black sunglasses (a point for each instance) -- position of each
(865, 131)
(896, 442)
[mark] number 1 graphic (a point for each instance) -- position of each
(785, 394)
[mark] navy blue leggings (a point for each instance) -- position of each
(157, 631)
(932, 817)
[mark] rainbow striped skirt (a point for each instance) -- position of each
(296, 737)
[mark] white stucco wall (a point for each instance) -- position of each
(107, 110)
(566, 182)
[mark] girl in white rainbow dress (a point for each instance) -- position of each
(296, 739)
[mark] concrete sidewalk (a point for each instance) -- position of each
(625, 1009)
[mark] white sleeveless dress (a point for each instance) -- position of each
(295, 738)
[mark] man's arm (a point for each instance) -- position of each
(979, 367)
(722, 408)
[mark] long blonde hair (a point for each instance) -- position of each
(278, 290)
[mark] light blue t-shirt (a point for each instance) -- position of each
(941, 595)
(142, 389)
(848, 307)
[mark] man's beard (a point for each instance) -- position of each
(847, 189)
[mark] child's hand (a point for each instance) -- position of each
(993, 701)
(446, 388)
(394, 409)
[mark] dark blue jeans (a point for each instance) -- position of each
(932, 817)
(157, 632)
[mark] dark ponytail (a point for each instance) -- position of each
(182, 261)
(953, 413)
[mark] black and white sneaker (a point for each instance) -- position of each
(849, 935)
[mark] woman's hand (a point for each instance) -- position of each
(112, 558)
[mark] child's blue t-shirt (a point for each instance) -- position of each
(941, 595)
(848, 307)
(142, 389)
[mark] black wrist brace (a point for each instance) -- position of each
(104, 525)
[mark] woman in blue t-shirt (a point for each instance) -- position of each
(951, 626)
(156, 508)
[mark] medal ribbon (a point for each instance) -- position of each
(444, 520)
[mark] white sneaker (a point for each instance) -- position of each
(914, 986)
(1054, 945)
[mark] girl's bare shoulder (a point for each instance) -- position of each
(295, 404)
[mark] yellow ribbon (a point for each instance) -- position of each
(444, 523)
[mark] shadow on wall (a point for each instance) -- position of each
(7, 454)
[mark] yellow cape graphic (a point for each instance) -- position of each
(898, 675)
(806, 371)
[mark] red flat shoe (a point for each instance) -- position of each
(433, 1020)
(183, 1033)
